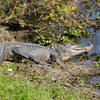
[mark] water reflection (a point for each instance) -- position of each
(92, 13)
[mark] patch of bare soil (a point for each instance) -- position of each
(7, 34)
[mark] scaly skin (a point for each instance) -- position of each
(40, 54)
(2, 51)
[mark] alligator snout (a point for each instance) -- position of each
(87, 48)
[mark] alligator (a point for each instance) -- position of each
(40, 54)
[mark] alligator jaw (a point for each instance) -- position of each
(84, 48)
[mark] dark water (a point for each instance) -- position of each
(95, 79)
(93, 13)
(95, 39)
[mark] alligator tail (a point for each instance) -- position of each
(2, 51)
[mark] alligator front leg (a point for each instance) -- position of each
(57, 59)
(61, 63)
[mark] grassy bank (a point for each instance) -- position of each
(18, 82)
(18, 89)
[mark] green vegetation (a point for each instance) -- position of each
(96, 58)
(19, 89)
(48, 21)
(97, 63)
(97, 85)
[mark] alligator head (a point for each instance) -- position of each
(72, 49)
(68, 50)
